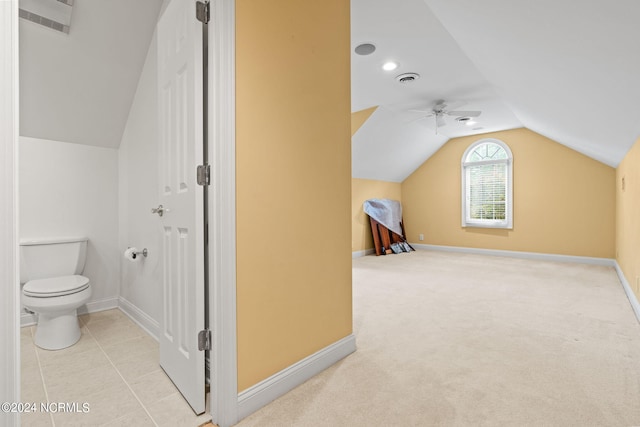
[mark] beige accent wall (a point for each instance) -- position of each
(564, 202)
(293, 181)
(361, 190)
(359, 117)
(628, 216)
(364, 189)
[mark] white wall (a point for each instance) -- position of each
(68, 190)
(107, 195)
(140, 291)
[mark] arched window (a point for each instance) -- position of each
(487, 185)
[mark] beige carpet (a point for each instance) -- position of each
(465, 340)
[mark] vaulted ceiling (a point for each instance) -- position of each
(567, 70)
(78, 87)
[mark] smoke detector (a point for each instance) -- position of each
(407, 77)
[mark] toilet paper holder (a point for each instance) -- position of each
(143, 252)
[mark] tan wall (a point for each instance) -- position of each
(628, 216)
(361, 190)
(364, 189)
(564, 202)
(359, 117)
(293, 182)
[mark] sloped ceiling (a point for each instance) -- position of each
(567, 70)
(79, 87)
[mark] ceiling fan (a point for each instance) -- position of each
(440, 109)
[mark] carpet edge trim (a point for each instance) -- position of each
(268, 390)
(609, 262)
(631, 296)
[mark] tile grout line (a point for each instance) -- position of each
(176, 391)
(121, 376)
(44, 384)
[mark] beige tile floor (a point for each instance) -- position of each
(114, 368)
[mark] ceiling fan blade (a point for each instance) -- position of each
(464, 113)
(440, 121)
(453, 105)
(416, 119)
(421, 111)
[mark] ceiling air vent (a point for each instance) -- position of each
(407, 77)
(54, 14)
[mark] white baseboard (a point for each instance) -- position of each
(358, 254)
(278, 384)
(633, 300)
(100, 305)
(518, 254)
(28, 319)
(609, 262)
(134, 313)
(140, 317)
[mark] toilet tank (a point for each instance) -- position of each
(51, 257)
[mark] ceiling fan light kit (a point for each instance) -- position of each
(439, 110)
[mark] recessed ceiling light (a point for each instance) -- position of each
(470, 123)
(365, 49)
(390, 66)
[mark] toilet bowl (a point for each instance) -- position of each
(54, 289)
(56, 301)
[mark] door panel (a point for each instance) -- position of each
(180, 134)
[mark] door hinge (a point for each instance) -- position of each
(202, 11)
(204, 340)
(203, 174)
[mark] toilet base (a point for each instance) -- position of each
(57, 332)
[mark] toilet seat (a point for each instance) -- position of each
(55, 286)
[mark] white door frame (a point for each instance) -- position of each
(9, 281)
(224, 403)
(222, 213)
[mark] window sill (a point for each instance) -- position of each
(501, 226)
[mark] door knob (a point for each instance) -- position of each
(159, 210)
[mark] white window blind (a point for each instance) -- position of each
(487, 191)
(487, 185)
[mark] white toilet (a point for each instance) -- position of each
(53, 288)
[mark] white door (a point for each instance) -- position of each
(180, 118)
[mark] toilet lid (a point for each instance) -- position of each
(55, 286)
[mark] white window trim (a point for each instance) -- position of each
(467, 222)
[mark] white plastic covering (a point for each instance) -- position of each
(386, 211)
